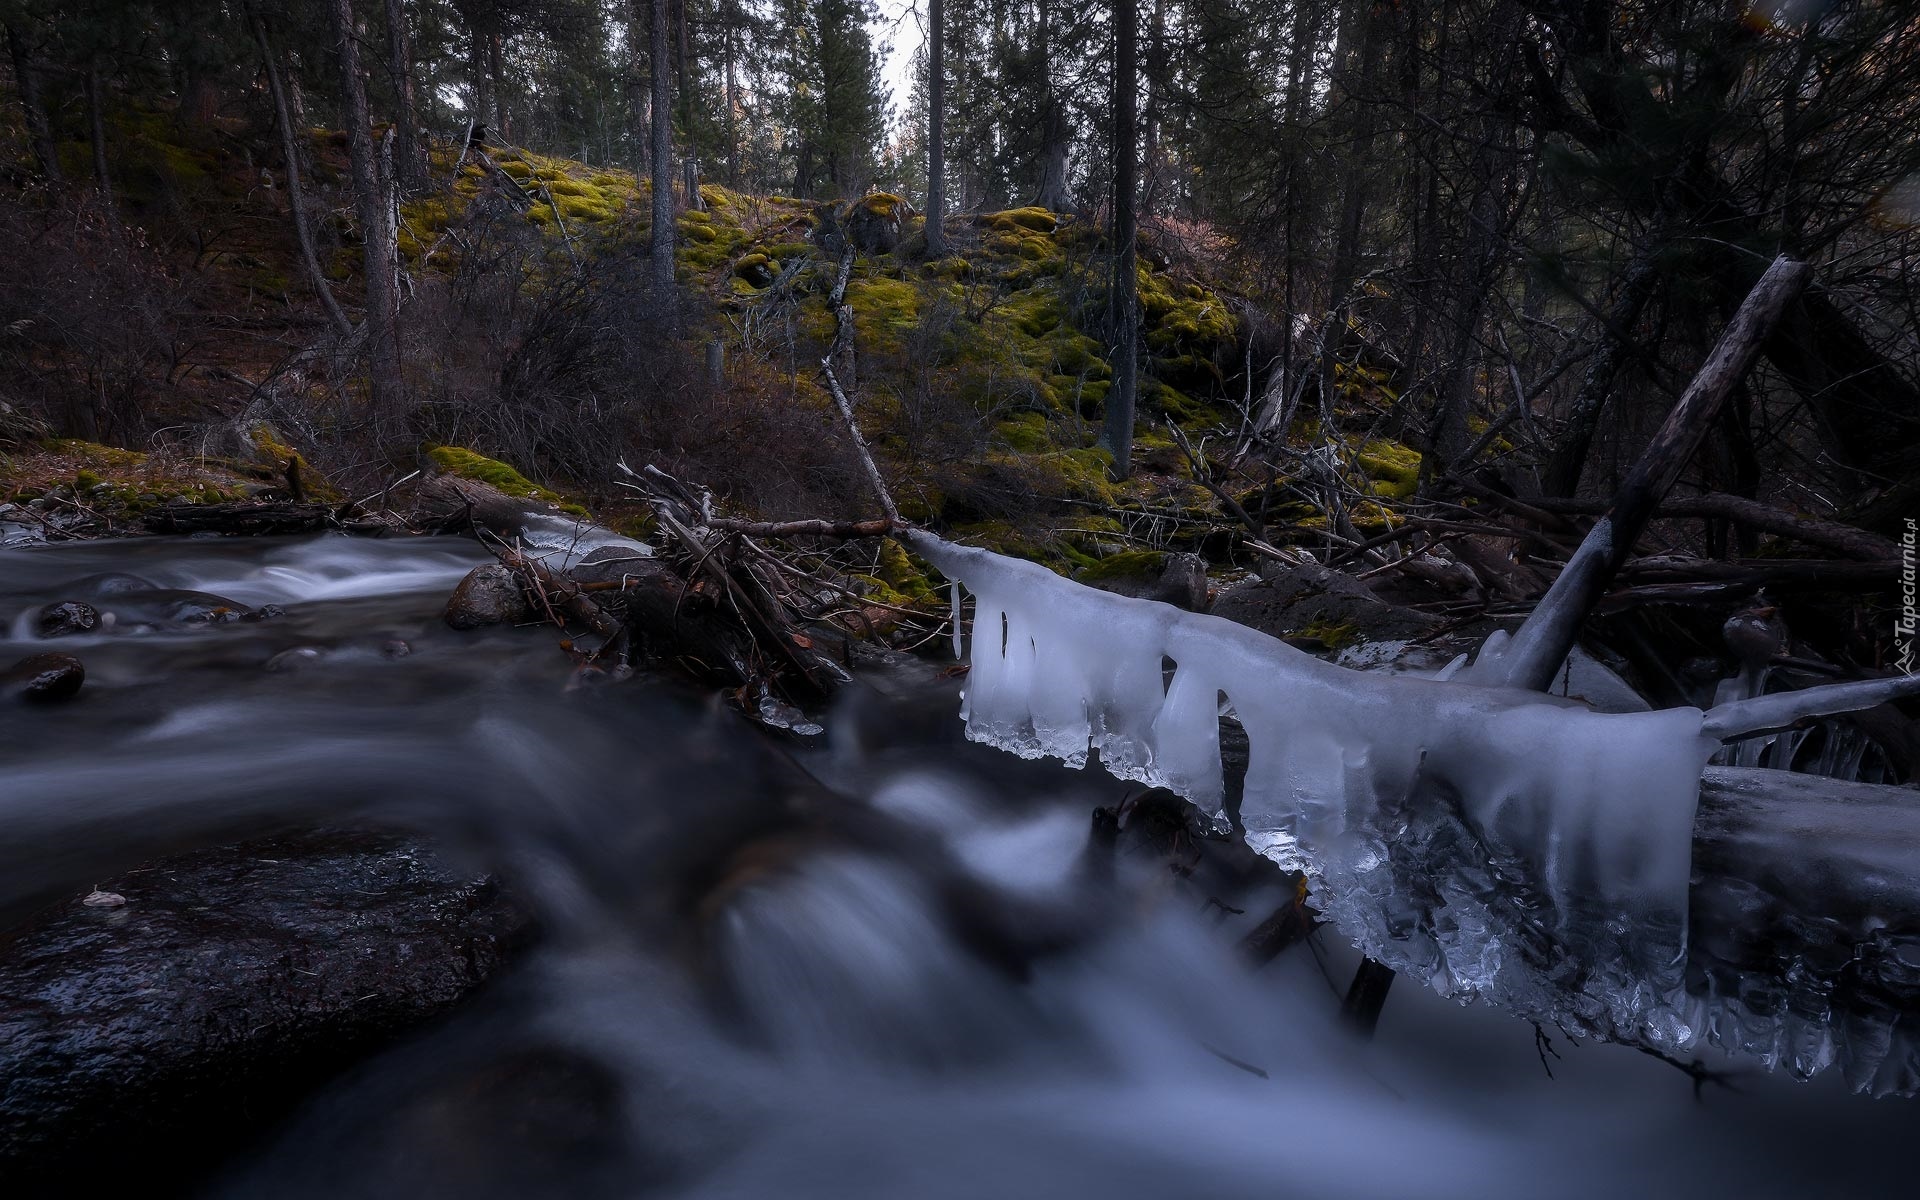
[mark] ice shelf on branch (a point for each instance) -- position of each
(1488, 840)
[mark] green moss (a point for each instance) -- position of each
(1025, 432)
(897, 571)
(1394, 469)
(1032, 219)
(1332, 634)
(885, 311)
(1126, 564)
(464, 463)
(104, 457)
(880, 204)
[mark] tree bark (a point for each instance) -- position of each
(936, 129)
(296, 193)
(1583, 421)
(662, 156)
(1054, 134)
(1117, 436)
(683, 65)
(26, 77)
(410, 156)
(638, 110)
(380, 265)
(97, 134)
(497, 67)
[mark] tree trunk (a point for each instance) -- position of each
(26, 77)
(380, 267)
(638, 109)
(497, 67)
(1055, 137)
(1118, 434)
(733, 95)
(483, 114)
(1583, 419)
(410, 155)
(662, 157)
(936, 129)
(296, 193)
(97, 131)
(683, 65)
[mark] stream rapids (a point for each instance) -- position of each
(867, 963)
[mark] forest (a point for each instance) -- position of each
(956, 597)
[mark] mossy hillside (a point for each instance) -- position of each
(466, 464)
(116, 486)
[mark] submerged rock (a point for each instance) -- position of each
(66, 617)
(489, 595)
(43, 678)
(167, 1029)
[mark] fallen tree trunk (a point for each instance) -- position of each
(240, 517)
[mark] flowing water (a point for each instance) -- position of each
(872, 963)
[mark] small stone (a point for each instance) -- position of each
(100, 899)
(294, 659)
(266, 612)
(66, 617)
(395, 648)
(44, 678)
(489, 595)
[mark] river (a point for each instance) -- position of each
(869, 963)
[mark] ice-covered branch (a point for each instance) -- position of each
(1541, 821)
(1782, 710)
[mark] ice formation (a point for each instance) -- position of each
(1489, 841)
(1562, 843)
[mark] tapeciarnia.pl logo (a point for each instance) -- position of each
(1903, 628)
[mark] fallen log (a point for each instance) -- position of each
(1843, 539)
(241, 517)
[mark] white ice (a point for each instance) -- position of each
(1564, 835)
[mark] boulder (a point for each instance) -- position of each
(43, 678)
(489, 595)
(168, 1028)
(1309, 602)
(66, 617)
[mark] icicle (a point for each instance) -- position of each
(1361, 778)
(959, 650)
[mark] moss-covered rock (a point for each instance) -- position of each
(466, 464)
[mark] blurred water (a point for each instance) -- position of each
(867, 964)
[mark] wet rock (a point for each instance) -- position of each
(167, 1030)
(489, 595)
(66, 617)
(294, 659)
(43, 678)
(1309, 601)
(394, 648)
(266, 612)
(1176, 579)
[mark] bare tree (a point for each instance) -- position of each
(380, 264)
(662, 154)
(1117, 436)
(26, 77)
(936, 128)
(410, 154)
(296, 192)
